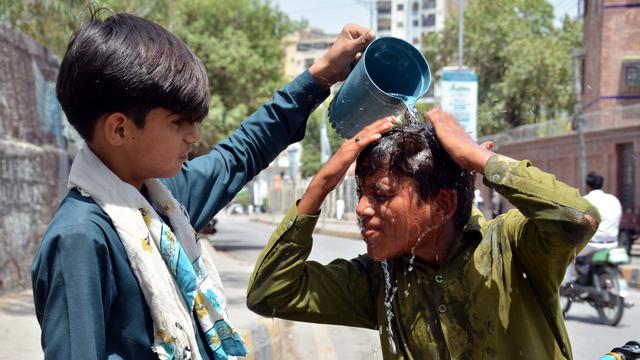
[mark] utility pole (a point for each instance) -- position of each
(371, 4)
(578, 121)
(461, 33)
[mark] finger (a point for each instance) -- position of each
(367, 38)
(488, 145)
(355, 31)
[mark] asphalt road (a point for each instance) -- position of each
(243, 240)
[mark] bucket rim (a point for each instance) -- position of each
(417, 57)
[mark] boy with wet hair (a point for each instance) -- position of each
(439, 281)
(121, 272)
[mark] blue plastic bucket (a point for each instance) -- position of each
(389, 78)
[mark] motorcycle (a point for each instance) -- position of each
(600, 284)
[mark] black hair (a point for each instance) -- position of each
(128, 64)
(413, 150)
(595, 180)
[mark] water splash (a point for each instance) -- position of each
(411, 115)
(388, 299)
(413, 249)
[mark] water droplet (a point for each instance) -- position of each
(406, 293)
(524, 275)
(388, 299)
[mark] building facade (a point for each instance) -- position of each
(611, 63)
(303, 48)
(610, 109)
(410, 20)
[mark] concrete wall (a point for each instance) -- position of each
(33, 160)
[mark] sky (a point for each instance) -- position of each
(332, 15)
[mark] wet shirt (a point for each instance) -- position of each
(496, 296)
(87, 299)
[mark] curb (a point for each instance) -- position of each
(263, 340)
(631, 274)
(319, 230)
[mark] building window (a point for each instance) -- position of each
(428, 20)
(428, 4)
(384, 7)
(416, 23)
(632, 75)
(400, 24)
(400, 7)
(384, 24)
(416, 6)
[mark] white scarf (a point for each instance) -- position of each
(175, 276)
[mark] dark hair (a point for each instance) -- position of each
(414, 151)
(595, 180)
(131, 65)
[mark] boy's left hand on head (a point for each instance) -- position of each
(336, 64)
(457, 142)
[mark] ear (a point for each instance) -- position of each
(444, 206)
(118, 129)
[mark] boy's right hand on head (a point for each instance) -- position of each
(329, 176)
(336, 64)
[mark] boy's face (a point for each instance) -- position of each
(392, 214)
(159, 149)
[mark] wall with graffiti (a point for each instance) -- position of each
(34, 161)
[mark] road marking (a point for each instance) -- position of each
(323, 343)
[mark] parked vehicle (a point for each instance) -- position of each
(600, 284)
(210, 228)
(629, 228)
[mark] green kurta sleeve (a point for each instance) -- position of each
(550, 224)
(285, 285)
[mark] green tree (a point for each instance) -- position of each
(237, 40)
(311, 143)
(523, 61)
(51, 22)
(239, 43)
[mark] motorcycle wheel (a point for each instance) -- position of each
(610, 313)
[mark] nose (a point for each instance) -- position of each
(364, 208)
(193, 134)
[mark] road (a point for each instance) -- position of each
(243, 240)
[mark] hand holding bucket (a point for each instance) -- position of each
(389, 78)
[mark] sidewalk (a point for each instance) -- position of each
(20, 332)
(349, 229)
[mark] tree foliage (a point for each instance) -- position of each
(523, 61)
(311, 143)
(239, 43)
(237, 40)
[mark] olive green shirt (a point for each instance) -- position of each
(496, 296)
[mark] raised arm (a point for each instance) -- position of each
(285, 285)
(209, 182)
(552, 221)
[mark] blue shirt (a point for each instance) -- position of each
(87, 299)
